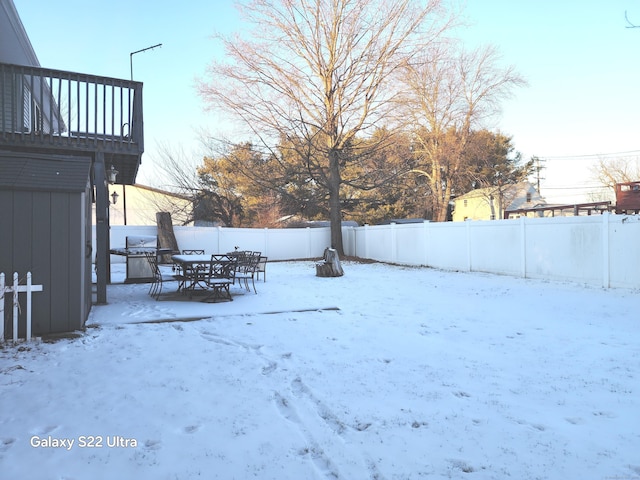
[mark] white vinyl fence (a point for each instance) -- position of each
(15, 289)
(276, 244)
(601, 250)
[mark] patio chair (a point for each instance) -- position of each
(221, 275)
(262, 268)
(246, 270)
(158, 278)
(193, 252)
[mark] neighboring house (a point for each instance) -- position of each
(63, 137)
(490, 203)
(32, 94)
(138, 204)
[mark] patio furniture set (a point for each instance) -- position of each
(212, 276)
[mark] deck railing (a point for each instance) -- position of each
(45, 107)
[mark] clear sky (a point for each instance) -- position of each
(579, 59)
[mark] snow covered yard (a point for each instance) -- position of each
(385, 373)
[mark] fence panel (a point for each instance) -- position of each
(495, 247)
(410, 243)
(598, 250)
(566, 248)
(191, 238)
(624, 250)
(447, 244)
(15, 290)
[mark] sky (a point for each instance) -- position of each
(578, 57)
(313, 379)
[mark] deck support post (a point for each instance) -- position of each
(102, 227)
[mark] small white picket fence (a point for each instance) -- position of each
(15, 289)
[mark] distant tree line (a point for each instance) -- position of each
(245, 186)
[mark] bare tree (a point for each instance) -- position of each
(609, 171)
(450, 92)
(177, 172)
(320, 71)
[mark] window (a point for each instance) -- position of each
(528, 196)
(37, 118)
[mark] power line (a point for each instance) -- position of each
(628, 153)
(602, 187)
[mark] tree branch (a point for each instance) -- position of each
(630, 24)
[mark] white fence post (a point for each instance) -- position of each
(394, 243)
(523, 247)
(606, 261)
(426, 242)
(265, 242)
(16, 288)
(469, 262)
(366, 240)
(15, 306)
(29, 290)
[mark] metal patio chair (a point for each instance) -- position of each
(221, 275)
(158, 279)
(247, 269)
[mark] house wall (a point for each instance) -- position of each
(473, 208)
(476, 205)
(598, 250)
(45, 233)
(142, 204)
(15, 46)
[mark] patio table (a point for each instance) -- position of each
(212, 273)
(194, 268)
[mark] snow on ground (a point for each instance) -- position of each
(386, 373)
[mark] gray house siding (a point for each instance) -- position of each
(45, 232)
(15, 48)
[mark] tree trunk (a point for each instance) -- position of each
(331, 266)
(166, 237)
(335, 210)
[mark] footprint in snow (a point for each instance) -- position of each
(6, 444)
(152, 444)
(269, 368)
(190, 429)
(462, 394)
(575, 420)
(44, 430)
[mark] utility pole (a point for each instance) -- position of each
(538, 168)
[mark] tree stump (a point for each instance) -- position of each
(331, 266)
(166, 237)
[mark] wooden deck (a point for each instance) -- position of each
(53, 111)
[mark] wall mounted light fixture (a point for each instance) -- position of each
(112, 173)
